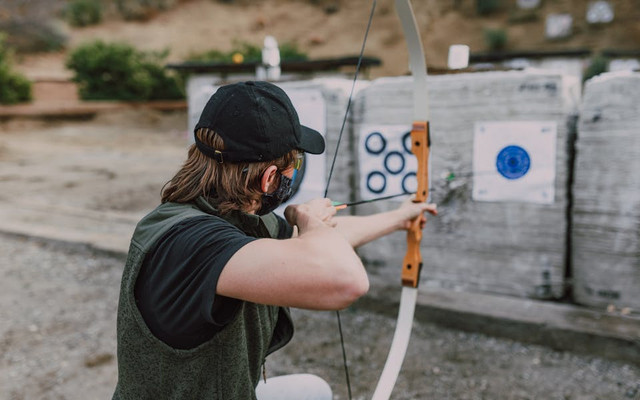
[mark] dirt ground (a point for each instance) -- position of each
(58, 302)
(96, 165)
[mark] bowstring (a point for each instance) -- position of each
(353, 85)
(333, 164)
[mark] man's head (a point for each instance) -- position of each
(257, 122)
(247, 140)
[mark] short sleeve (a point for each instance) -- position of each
(285, 231)
(175, 289)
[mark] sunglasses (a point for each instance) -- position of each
(297, 164)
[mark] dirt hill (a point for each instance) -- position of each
(329, 28)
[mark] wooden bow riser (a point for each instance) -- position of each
(412, 264)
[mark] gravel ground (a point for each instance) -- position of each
(57, 340)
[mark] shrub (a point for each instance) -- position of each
(519, 16)
(598, 65)
(141, 10)
(117, 71)
(290, 52)
(84, 12)
(211, 56)
(486, 7)
(250, 53)
(30, 25)
(496, 39)
(14, 88)
(34, 35)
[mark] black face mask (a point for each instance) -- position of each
(271, 201)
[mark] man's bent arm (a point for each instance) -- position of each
(318, 269)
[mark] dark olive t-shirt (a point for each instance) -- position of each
(175, 288)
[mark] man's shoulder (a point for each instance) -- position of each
(204, 226)
(203, 234)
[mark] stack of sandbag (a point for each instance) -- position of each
(514, 244)
(606, 211)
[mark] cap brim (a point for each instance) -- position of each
(311, 141)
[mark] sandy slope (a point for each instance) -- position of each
(198, 25)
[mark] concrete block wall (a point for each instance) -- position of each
(509, 248)
(606, 211)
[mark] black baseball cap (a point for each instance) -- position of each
(257, 122)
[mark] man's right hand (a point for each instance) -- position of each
(311, 214)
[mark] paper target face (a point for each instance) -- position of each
(387, 166)
(514, 161)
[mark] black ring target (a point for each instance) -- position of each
(404, 142)
(404, 182)
(390, 155)
(371, 176)
(368, 143)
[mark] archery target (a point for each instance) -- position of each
(514, 161)
(387, 166)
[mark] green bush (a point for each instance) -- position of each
(290, 52)
(598, 65)
(486, 7)
(84, 12)
(31, 26)
(33, 35)
(519, 16)
(14, 88)
(117, 71)
(250, 53)
(141, 10)
(496, 39)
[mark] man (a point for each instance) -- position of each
(212, 271)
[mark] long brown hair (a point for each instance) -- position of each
(233, 186)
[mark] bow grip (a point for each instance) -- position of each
(412, 264)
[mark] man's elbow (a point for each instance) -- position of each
(358, 289)
(350, 291)
(344, 278)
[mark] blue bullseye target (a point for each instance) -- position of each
(513, 162)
